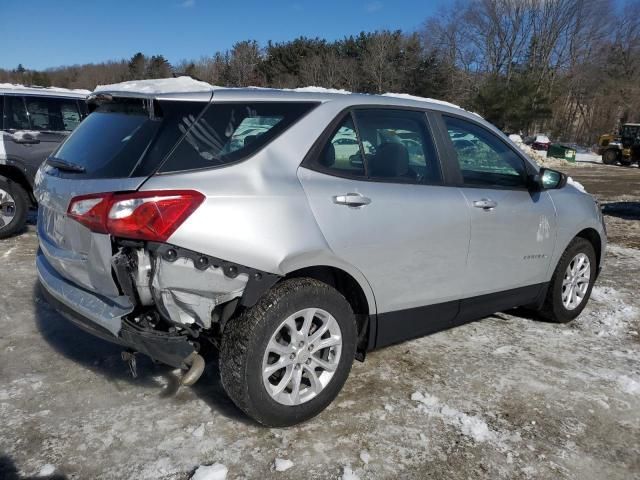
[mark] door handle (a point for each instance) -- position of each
(351, 200)
(485, 204)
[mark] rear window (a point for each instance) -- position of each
(230, 132)
(110, 142)
(131, 137)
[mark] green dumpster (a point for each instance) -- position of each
(562, 151)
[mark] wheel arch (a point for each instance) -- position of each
(15, 174)
(359, 297)
(593, 237)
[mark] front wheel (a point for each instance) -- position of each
(609, 157)
(572, 281)
(284, 360)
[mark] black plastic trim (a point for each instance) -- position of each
(394, 327)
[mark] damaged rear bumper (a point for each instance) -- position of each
(105, 319)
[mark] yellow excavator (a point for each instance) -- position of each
(623, 148)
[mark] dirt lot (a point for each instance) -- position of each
(507, 397)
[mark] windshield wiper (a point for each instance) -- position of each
(65, 166)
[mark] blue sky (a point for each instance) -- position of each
(41, 33)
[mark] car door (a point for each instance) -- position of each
(513, 227)
(384, 209)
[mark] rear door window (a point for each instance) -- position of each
(53, 114)
(231, 132)
(386, 145)
(16, 117)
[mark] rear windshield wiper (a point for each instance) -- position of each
(65, 166)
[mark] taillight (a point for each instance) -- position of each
(152, 216)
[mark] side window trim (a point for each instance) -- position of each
(454, 156)
(363, 156)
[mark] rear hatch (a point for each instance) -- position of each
(115, 149)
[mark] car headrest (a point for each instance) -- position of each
(391, 160)
(328, 156)
(249, 139)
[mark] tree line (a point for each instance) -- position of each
(570, 68)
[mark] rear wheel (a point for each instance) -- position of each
(609, 157)
(572, 281)
(14, 204)
(284, 360)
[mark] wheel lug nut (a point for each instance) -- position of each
(311, 347)
(308, 362)
(301, 344)
(292, 356)
(297, 366)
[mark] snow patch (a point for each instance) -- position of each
(313, 89)
(47, 470)
(629, 385)
(282, 464)
(15, 86)
(199, 431)
(576, 184)
(365, 457)
(158, 86)
(470, 425)
(611, 315)
(216, 471)
(349, 474)
(406, 96)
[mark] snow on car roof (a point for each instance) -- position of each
(184, 87)
(50, 91)
(160, 86)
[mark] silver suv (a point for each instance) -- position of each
(298, 230)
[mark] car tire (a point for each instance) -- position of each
(246, 351)
(609, 157)
(556, 308)
(14, 206)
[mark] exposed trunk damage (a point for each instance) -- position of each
(183, 286)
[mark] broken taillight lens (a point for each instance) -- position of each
(151, 216)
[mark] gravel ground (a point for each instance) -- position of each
(507, 397)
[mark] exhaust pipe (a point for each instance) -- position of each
(196, 366)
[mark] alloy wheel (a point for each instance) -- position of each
(576, 281)
(7, 208)
(302, 356)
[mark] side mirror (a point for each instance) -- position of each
(551, 179)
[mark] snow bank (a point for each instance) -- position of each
(216, 471)
(158, 86)
(12, 86)
(282, 464)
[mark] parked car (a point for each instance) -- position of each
(156, 235)
(538, 142)
(33, 122)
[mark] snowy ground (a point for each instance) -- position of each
(503, 398)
